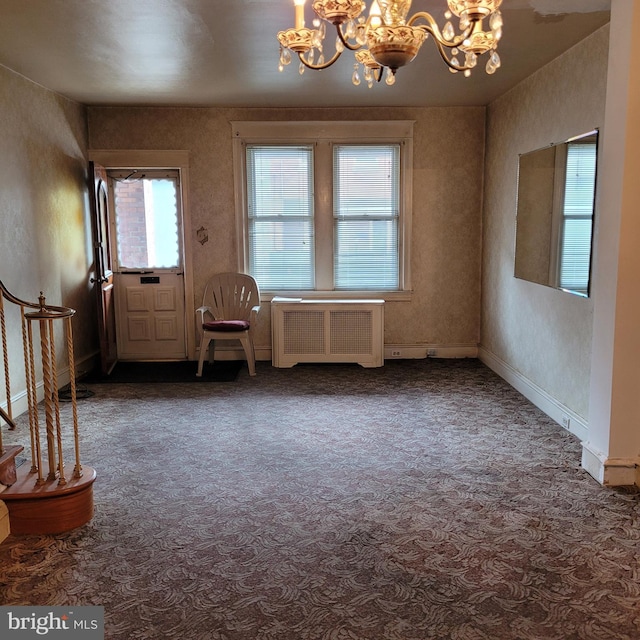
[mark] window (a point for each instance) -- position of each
(280, 216)
(577, 217)
(324, 207)
(366, 208)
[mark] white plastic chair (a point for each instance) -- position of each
(229, 311)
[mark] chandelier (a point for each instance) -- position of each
(388, 39)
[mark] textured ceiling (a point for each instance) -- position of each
(225, 53)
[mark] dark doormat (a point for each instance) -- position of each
(157, 372)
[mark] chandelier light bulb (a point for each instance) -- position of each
(299, 6)
(375, 15)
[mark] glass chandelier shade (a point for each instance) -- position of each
(388, 38)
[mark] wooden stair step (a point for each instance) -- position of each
(8, 464)
(49, 507)
(5, 529)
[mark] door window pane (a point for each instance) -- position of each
(146, 215)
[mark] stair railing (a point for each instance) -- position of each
(38, 322)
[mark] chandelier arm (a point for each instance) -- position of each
(345, 42)
(443, 55)
(432, 28)
(318, 67)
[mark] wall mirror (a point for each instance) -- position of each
(555, 210)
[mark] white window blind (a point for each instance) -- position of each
(577, 218)
(280, 216)
(324, 208)
(366, 209)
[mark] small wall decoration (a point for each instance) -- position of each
(202, 235)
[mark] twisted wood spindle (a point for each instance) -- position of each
(34, 419)
(5, 358)
(77, 470)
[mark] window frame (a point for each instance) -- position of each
(356, 246)
(323, 135)
(284, 199)
(560, 217)
(588, 185)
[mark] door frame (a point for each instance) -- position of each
(163, 159)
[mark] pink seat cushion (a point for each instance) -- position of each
(226, 325)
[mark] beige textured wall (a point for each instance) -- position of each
(543, 334)
(44, 243)
(448, 170)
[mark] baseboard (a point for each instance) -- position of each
(404, 352)
(86, 364)
(610, 472)
(19, 400)
(417, 351)
(391, 352)
(462, 350)
(555, 410)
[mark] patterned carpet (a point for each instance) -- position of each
(425, 499)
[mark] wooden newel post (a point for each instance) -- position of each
(45, 316)
(44, 499)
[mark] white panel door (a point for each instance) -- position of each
(147, 224)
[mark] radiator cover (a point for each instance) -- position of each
(327, 331)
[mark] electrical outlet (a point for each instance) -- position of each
(396, 353)
(566, 421)
(431, 352)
